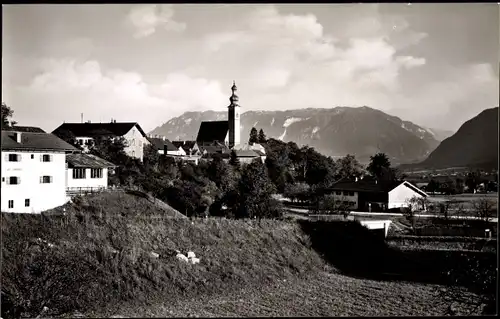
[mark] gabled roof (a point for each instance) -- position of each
(80, 160)
(160, 144)
(31, 129)
(414, 188)
(359, 186)
(99, 129)
(35, 141)
(212, 131)
(185, 145)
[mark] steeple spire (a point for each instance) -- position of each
(234, 98)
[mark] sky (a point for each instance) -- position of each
(436, 65)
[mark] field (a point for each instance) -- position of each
(95, 257)
(325, 294)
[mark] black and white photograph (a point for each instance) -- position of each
(249, 160)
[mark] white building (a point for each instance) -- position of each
(368, 195)
(86, 173)
(401, 194)
(33, 171)
(85, 133)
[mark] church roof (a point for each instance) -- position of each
(211, 131)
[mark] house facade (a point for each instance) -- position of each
(33, 171)
(86, 173)
(85, 133)
(399, 195)
(369, 195)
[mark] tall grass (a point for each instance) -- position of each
(102, 259)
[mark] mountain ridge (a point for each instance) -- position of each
(475, 144)
(362, 131)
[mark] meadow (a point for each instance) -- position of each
(114, 254)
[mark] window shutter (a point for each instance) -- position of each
(50, 179)
(41, 157)
(6, 157)
(8, 181)
(41, 179)
(19, 180)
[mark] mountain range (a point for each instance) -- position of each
(475, 145)
(361, 131)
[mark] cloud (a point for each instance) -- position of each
(69, 87)
(294, 47)
(146, 19)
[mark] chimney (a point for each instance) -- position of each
(164, 138)
(81, 116)
(17, 135)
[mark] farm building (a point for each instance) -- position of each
(369, 195)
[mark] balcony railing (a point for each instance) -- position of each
(84, 190)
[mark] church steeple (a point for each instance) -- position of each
(234, 118)
(234, 98)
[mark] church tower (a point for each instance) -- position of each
(234, 119)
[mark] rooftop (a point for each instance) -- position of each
(211, 131)
(80, 160)
(99, 129)
(34, 141)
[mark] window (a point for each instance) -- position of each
(46, 158)
(45, 179)
(338, 193)
(345, 203)
(96, 173)
(13, 180)
(11, 203)
(132, 142)
(346, 193)
(27, 202)
(32, 156)
(133, 153)
(14, 157)
(80, 142)
(351, 193)
(79, 173)
(352, 203)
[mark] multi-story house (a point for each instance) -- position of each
(33, 171)
(85, 133)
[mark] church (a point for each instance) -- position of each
(226, 133)
(222, 137)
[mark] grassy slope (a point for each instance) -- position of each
(101, 265)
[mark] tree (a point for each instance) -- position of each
(68, 137)
(331, 205)
(473, 180)
(254, 137)
(348, 167)
(151, 158)
(378, 163)
(298, 191)
(110, 149)
(234, 160)
(483, 209)
(7, 113)
(255, 190)
(262, 137)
